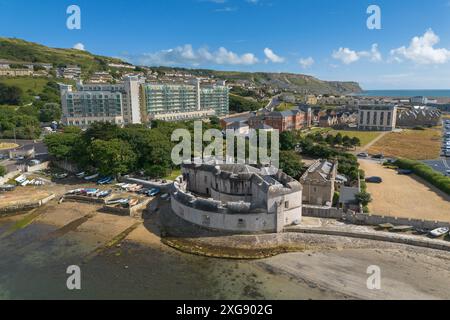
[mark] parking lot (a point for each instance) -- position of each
(443, 164)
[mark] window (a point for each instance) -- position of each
(361, 120)
(286, 205)
(368, 117)
(389, 119)
(375, 118)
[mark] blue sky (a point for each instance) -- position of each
(325, 38)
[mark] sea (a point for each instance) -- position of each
(406, 93)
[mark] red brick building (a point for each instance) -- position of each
(283, 120)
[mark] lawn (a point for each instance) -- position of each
(285, 107)
(366, 137)
(173, 175)
(26, 83)
(410, 144)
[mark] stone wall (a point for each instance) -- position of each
(24, 206)
(369, 219)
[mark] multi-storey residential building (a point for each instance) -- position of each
(172, 102)
(377, 117)
(114, 103)
(133, 101)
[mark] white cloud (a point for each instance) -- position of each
(306, 63)
(79, 46)
(348, 56)
(272, 57)
(187, 55)
(421, 50)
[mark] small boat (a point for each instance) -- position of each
(133, 202)
(115, 201)
(61, 176)
(402, 228)
(81, 175)
(386, 226)
(439, 232)
(95, 176)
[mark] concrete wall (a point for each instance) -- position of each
(370, 219)
(38, 167)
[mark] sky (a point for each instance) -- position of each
(328, 39)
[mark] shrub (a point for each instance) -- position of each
(425, 172)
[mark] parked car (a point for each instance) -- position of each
(378, 156)
(363, 155)
(374, 180)
(404, 171)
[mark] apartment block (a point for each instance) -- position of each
(133, 102)
(377, 117)
(114, 103)
(174, 102)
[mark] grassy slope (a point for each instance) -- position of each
(24, 51)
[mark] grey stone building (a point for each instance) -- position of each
(237, 198)
(319, 183)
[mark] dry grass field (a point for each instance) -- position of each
(410, 144)
(405, 196)
(7, 146)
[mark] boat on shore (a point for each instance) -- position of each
(439, 232)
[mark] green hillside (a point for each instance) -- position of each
(24, 51)
(291, 82)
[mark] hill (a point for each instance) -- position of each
(24, 51)
(291, 82)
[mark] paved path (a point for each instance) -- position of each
(370, 144)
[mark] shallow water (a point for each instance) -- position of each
(33, 266)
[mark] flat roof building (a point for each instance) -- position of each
(377, 117)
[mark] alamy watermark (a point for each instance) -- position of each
(74, 20)
(74, 280)
(374, 280)
(374, 20)
(229, 147)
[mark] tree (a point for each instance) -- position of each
(50, 112)
(10, 95)
(356, 142)
(291, 164)
(114, 157)
(2, 171)
(288, 140)
(338, 140)
(364, 198)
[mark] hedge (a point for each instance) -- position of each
(422, 170)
